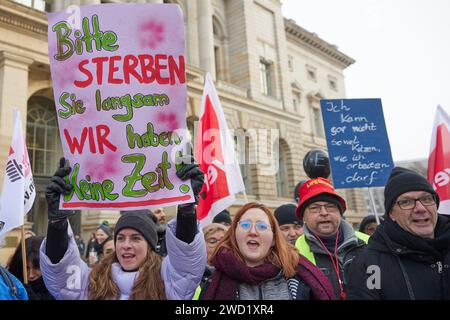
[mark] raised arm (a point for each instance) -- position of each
(186, 215)
(57, 237)
(183, 267)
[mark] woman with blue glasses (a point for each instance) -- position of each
(254, 262)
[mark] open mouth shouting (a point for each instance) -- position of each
(253, 244)
(127, 257)
(422, 221)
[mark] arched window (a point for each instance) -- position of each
(220, 50)
(316, 115)
(296, 95)
(44, 146)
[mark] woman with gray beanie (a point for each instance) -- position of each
(135, 271)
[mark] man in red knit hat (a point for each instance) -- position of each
(328, 240)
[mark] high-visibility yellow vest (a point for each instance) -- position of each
(197, 293)
(303, 247)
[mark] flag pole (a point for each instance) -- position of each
(24, 256)
(374, 207)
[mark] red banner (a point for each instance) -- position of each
(439, 160)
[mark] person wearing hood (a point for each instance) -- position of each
(408, 256)
(134, 271)
(328, 240)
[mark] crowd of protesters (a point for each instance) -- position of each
(306, 251)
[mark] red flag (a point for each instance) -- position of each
(439, 160)
(214, 151)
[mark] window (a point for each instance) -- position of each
(311, 73)
(318, 123)
(296, 95)
(217, 62)
(291, 63)
(281, 176)
(220, 45)
(242, 148)
(332, 83)
(265, 71)
(44, 146)
(296, 99)
(35, 4)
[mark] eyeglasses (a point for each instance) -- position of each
(260, 226)
(329, 207)
(212, 241)
(408, 204)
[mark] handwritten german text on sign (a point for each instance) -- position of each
(119, 82)
(358, 145)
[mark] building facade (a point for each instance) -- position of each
(270, 74)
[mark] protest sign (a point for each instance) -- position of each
(358, 145)
(119, 81)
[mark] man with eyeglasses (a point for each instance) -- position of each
(408, 255)
(328, 241)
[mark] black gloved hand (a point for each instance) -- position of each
(189, 169)
(53, 191)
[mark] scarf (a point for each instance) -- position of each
(330, 241)
(124, 280)
(230, 272)
(436, 248)
(37, 290)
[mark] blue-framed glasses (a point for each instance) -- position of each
(260, 226)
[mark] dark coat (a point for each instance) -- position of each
(347, 251)
(407, 266)
(37, 290)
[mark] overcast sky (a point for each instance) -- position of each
(402, 53)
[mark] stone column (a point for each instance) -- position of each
(206, 36)
(60, 5)
(192, 50)
(13, 94)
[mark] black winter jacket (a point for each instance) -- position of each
(397, 265)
